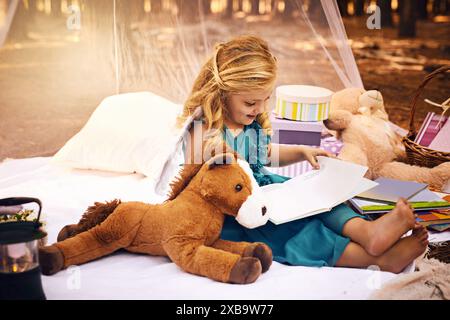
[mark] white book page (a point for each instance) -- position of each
(315, 192)
(363, 186)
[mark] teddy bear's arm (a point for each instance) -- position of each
(353, 153)
(435, 177)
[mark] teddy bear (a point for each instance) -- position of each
(359, 119)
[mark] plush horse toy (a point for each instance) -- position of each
(186, 227)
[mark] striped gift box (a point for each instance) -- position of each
(303, 103)
(302, 111)
(330, 144)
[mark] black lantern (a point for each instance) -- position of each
(20, 274)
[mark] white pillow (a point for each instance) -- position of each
(133, 132)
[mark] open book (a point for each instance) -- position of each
(316, 191)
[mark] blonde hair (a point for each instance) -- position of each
(243, 64)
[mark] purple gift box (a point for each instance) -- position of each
(296, 132)
(330, 144)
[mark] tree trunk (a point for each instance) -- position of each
(56, 8)
(422, 13)
(19, 27)
(317, 15)
(407, 25)
(93, 26)
(131, 10)
(125, 16)
(255, 7)
(342, 4)
(359, 7)
(240, 5)
(386, 13)
(289, 7)
(156, 6)
(441, 7)
(229, 10)
(436, 7)
(188, 11)
(206, 6)
(32, 9)
(138, 9)
(314, 8)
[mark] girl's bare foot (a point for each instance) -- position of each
(385, 231)
(404, 251)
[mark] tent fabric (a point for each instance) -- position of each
(162, 51)
(4, 28)
(65, 195)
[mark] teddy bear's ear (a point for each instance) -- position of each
(220, 159)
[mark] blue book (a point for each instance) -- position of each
(391, 190)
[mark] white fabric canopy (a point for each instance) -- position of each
(162, 51)
(65, 195)
(10, 9)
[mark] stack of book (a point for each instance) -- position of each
(432, 209)
(434, 132)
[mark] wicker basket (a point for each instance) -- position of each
(417, 154)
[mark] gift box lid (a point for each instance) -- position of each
(292, 125)
(304, 94)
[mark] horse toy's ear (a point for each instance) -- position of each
(220, 159)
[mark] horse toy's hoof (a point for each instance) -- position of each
(246, 270)
(51, 260)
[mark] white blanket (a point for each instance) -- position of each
(66, 194)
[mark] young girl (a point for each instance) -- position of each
(233, 88)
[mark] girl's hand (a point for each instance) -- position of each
(310, 154)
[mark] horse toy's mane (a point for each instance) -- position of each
(189, 171)
(181, 181)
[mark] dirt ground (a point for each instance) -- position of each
(397, 67)
(36, 120)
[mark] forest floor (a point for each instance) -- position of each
(45, 100)
(397, 67)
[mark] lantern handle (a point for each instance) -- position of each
(15, 201)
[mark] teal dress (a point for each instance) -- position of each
(315, 241)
